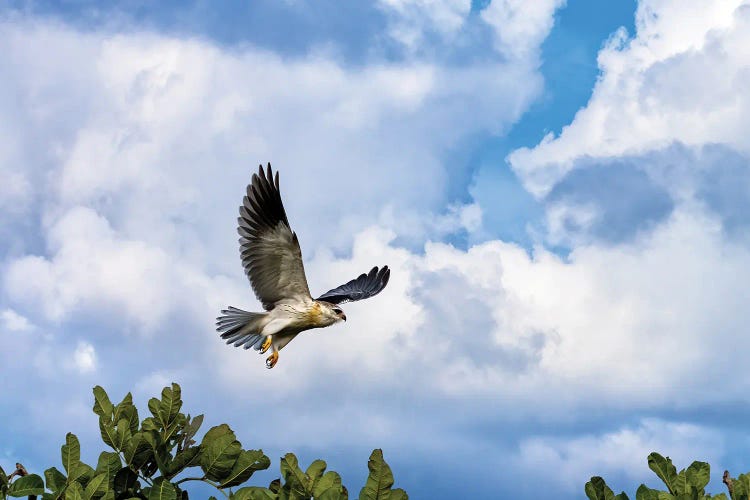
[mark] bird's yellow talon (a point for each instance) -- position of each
(265, 345)
(272, 359)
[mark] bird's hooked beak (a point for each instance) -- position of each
(343, 316)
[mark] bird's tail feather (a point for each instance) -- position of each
(241, 328)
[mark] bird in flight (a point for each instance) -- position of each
(272, 260)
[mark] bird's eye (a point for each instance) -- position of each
(337, 310)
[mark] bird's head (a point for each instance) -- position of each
(332, 312)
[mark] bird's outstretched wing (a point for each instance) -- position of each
(362, 287)
(269, 249)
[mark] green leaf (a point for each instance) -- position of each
(169, 406)
(55, 479)
(81, 473)
(247, 463)
(698, 475)
(125, 480)
(315, 471)
(122, 406)
(254, 493)
(130, 414)
(31, 484)
(102, 405)
(328, 481)
(96, 488)
(137, 451)
(122, 434)
(597, 489)
(162, 490)
(108, 432)
(665, 470)
(74, 491)
(296, 480)
(646, 493)
(109, 463)
(219, 452)
(192, 428)
(71, 452)
(186, 458)
(3, 482)
(399, 494)
(379, 481)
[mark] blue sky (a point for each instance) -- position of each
(561, 190)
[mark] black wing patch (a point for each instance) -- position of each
(362, 287)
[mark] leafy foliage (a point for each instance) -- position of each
(687, 484)
(150, 460)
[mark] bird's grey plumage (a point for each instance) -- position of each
(272, 260)
(361, 287)
(268, 247)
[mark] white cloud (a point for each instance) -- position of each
(411, 19)
(84, 357)
(14, 322)
(575, 460)
(141, 144)
(520, 27)
(681, 78)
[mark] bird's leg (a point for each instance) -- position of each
(265, 345)
(272, 359)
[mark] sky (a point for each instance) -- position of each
(561, 190)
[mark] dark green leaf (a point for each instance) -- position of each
(379, 481)
(3, 482)
(56, 480)
(122, 434)
(150, 423)
(74, 491)
(108, 432)
(185, 458)
(254, 493)
(125, 480)
(96, 488)
(275, 485)
(329, 480)
(122, 406)
(137, 451)
(109, 463)
(130, 414)
(315, 471)
(192, 428)
(646, 493)
(81, 473)
(399, 494)
(597, 489)
(219, 451)
(31, 484)
(170, 405)
(698, 475)
(333, 494)
(102, 405)
(296, 480)
(71, 452)
(665, 470)
(162, 490)
(247, 463)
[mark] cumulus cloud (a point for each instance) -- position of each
(656, 89)
(620, 454)
(140, 142)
